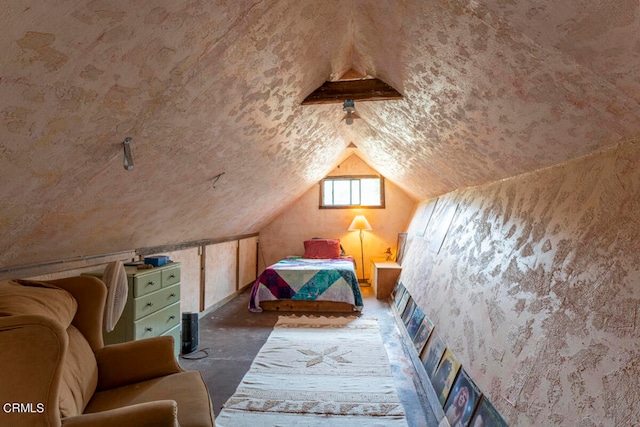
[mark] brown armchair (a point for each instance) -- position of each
(56, 371)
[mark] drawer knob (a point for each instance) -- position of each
(172, 276)
(148, 329)
(172, 295)
(149, 304)
(151, 283)
(172, 317)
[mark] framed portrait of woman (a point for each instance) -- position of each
(462, 401)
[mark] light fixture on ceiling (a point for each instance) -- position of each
(350, 108)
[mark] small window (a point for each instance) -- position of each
(352, 191)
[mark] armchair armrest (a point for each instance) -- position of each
(135, 361)
(161, 413)
(31, 358)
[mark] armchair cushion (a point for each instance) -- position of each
(25, 297)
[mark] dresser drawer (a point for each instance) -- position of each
(175, 332)
(157, 323)
(150, 303)
(170, 276)
(146, 283)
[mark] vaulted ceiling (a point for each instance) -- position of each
(491, 89)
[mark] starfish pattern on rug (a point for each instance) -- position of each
(327, 356)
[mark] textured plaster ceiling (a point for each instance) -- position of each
(492, 88)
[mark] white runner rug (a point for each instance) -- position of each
(317, 371)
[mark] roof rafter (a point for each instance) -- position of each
(357, 90)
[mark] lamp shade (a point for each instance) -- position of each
(360, 223)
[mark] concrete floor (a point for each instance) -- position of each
(231, 336)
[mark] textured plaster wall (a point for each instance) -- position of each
(201, 87)
(536, 289)
(225, 264)
(220, 278)
(189, 278)
(491, 89)
(248, 255)
(303, 220)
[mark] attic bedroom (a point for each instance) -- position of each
(506, 136)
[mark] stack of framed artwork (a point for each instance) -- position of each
(462, 401)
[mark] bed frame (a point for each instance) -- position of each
(312, 306)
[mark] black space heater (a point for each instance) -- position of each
(190, 335)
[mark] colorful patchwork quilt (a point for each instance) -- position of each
(308, 279)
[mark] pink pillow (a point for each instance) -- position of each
(322, 248)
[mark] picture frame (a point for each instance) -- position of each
(486, 415)
(432, 353)
(402, 304)
(445, 375)
(428, 215)
(462, 401)
(408, 311)
(397, 292)
(442, 228)
(401, 247)
(422, 334)
(415, 321)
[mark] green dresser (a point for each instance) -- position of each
(153, 305)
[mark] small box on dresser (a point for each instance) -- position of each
(153, 305)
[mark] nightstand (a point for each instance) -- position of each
(384, 275)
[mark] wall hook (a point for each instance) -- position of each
(215, 179)
(128, 160)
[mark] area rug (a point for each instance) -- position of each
(317, 371)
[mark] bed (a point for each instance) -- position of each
(308, 283)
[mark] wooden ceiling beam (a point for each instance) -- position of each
(358, 90)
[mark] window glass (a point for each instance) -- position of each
(341, 192)
(327, 192)
(370, 191)
(355, 192)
